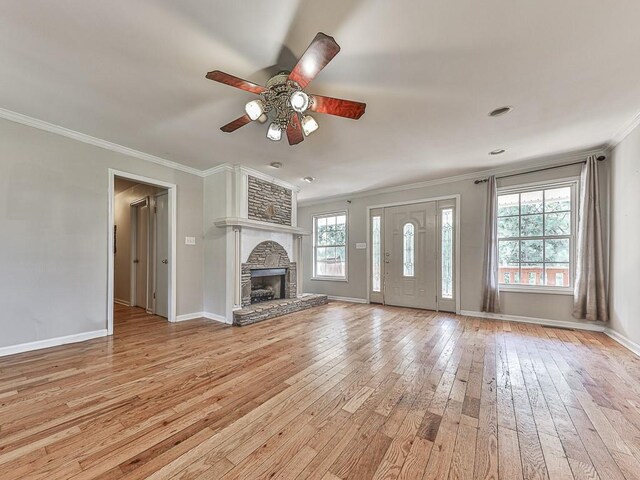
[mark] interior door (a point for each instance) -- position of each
(162, 256)
(141, 254)
(410, 258)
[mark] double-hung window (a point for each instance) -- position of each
(330, 246)
(536, 237)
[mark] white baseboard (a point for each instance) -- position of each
(121, 302)
(539, 321)
(347, 299)
(207, 315)
(51, 342)
(622, 340)
(217, 318)
(189, 316)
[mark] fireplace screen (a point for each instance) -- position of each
(267, 284)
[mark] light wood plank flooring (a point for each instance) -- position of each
(342, 391)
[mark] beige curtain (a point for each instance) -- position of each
(590, 300)
(491, 290)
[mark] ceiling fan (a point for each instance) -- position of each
(284, 100)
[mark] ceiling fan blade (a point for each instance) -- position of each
(227, 79)
(317, 55)
(236, 124)
(294, 131)
(337, 106)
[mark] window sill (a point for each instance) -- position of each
(330, 279)
(537, 290)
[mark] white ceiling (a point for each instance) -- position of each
(133, 73)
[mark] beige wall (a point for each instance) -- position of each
(472, 221)
(53, 234)
(122, 218)
(625, 238)
(218, 245)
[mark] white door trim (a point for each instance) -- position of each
(455, 197)
(172, 191)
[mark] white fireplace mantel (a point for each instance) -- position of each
(271, 227)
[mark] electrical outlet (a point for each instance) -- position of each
(189, 240)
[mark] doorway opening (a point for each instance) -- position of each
(142, 241)
(414, 254)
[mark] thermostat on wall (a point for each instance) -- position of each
(361, 246)
(189, 240)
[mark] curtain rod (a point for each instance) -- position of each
(600, 158)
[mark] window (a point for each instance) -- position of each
(536, 236)
(408, 251)
(330, 246)
(376, 267)
(447, 252)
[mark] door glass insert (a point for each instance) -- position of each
(447, 252)
(408, 252)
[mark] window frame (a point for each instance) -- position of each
(314, 239)
(574, 184)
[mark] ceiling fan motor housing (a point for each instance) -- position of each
(277, 99)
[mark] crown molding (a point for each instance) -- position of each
(225, 167)
(624, 133)
(97, 142)
(506, 169)
(114, 147)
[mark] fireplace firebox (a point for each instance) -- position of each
(267, 284)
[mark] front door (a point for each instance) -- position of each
(410, 260)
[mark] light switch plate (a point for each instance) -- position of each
(361, 246)
(189, 240)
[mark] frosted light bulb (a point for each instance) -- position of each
(299, 101)
(254, 109)
(309, 125)
(274, 133)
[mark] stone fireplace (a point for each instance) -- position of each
(268, 274)
(253, 252)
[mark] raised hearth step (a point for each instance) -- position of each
(276, 308)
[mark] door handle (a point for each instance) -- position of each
(136, 261)
(165, 261)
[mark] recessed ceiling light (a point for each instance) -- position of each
(309, 179)
(497, 152)
(275, 164)
(500, 111)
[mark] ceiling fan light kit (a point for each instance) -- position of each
(255, 109)
(283, 99)
(274, 132)
(309, 125)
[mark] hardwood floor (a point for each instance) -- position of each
(342, 391)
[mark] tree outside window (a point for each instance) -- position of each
(536, 236)
(330, 245)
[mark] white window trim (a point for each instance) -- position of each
(574, 182)
(325, 278)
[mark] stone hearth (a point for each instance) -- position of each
(276, 308)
